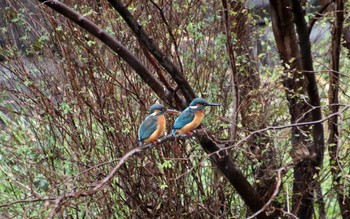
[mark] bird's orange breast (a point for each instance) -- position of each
(197, 120)
(159, 131)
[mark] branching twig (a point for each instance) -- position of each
(112, 43)
(275, 192)
(25, 201)
(318, 16)
(333, 124)
(232, 61)
(340, 112)
(60, 200)
(170, 32)
(162, 59)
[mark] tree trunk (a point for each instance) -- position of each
(333, 144)
(252, 110)
(299, 79)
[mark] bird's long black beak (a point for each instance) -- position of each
(214, 104)
(172, 111)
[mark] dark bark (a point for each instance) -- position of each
(234, 175)
(293, 81)
(320, 201)
(333, 98)
(223, 161)
(232, 61)
(345, 32)
(329, 6)
(346, 37)
(114, 44)
(295, 52)
(317, 150)
(162, 59)
(252, 111)
(308, 71)
(318, 16)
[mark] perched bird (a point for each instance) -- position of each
(154, 125)
(191, 117)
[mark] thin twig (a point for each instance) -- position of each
(170, 32)
(60, 200)
(318, 16)
(275, 192)
(112, 43)
(340, 112)
(232, 61)
(25, 201)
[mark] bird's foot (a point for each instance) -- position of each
(155, 142)
(190, 133)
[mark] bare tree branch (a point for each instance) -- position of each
(312, 90)
(112, 43)
(232, 60)
(163, 60)
(59, 201)
(318, 16)
(170, 31)
(295, 50)
(340, 112)
(26, 201)
(275, 192)
(333, 98)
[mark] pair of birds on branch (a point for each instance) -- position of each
(154, 125)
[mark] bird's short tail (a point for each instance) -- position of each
(173, 132)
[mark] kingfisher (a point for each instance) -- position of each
(154, 125)
(191, 117)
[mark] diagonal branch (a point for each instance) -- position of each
(201, 134)
(163, 60)
(112, 43)
(170, 32)
(317, 16)
(59, 201)
(275, 192)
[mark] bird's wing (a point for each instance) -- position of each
(147, 127)
(184, 118)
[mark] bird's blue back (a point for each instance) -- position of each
(184, 118)
(147, 128)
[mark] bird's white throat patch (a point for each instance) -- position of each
(193, 107)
